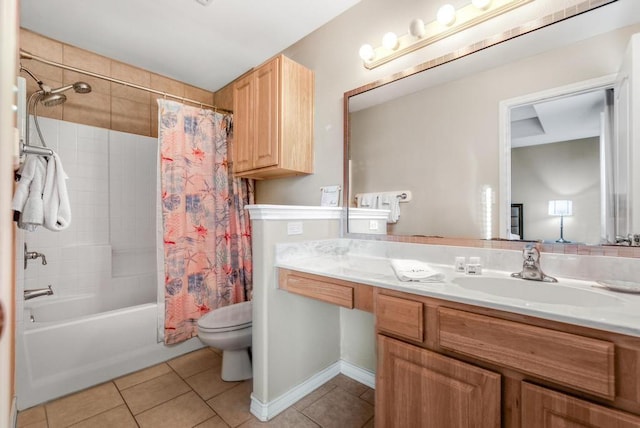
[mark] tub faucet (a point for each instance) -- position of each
(32, 255)
(37, 292)
(531, 269)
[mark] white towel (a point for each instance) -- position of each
(391, 202)
(27, 199)
(57, 211)
(367, 200)
(415, 270)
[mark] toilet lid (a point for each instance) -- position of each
(227, 318)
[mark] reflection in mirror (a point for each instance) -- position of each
(558, 152)
(438, 133)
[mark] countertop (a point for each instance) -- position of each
(594, 307)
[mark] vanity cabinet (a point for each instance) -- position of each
(547, 374)
(273, 108)
(350, 295)
(544, 408)
(447, 364)
(416, 387)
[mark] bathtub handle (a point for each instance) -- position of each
(32, 255)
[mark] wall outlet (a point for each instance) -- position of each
(294, 228)
(373, 224)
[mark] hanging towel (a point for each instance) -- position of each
(57, 211)
(391, 202)
(27, 199)
(415, 270)
(367, 200)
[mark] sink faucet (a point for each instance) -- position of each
(626, 240)
(37, 292)
(531, 266)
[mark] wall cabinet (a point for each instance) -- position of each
(273, 108)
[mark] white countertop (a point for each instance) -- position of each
(602, 309)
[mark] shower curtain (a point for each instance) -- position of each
(206, 232)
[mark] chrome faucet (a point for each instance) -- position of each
(32, 255)
(37, 292)
(626, 240)
(531, 266)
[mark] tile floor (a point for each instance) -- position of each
(188, 392)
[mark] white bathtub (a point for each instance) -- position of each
(57, 356)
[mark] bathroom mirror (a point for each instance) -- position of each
(437, 132)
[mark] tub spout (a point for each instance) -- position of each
(37, 292)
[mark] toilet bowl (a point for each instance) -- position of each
(229, 329)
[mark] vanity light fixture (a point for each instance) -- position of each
(561, 208)
(390, 41)
(448, 21)
(446, 15)
(367, 53)
(481, 4)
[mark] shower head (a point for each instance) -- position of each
(56, 97)
(82, 87)
(79, 87)
(52, 99)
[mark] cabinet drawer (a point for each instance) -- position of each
(316, 288)
(544, 408)
(579, 362)
(401, 317)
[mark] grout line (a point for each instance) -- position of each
(127, 405)
(160, 404)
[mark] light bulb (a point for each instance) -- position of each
(390, 41)
(481, 4)
(446, 14)
(416, 28)
(367, 53)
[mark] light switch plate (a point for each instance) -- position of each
(294, 228)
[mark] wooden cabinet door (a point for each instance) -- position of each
(544, 408)
(419, 388)
(267, 114)
(243, 124)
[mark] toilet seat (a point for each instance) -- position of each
(227, 318)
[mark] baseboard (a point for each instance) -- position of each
(363, 376)
(267, 411)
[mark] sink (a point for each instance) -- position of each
(537, 292)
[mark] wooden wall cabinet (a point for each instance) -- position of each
(273, 108)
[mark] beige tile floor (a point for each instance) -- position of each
(188, 392)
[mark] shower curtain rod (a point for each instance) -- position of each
(30, 56)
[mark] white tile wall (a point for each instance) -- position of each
(112, 191)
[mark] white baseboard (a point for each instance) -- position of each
(265, 412)
(363, 376)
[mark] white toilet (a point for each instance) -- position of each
(229, 329)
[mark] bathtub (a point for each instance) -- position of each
(68, 347)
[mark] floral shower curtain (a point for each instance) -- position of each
(206, 231)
